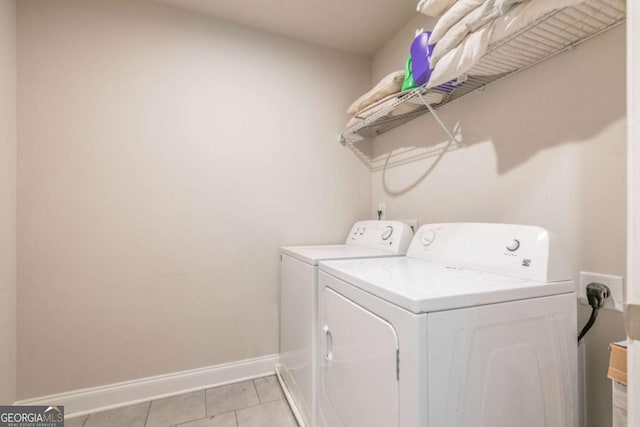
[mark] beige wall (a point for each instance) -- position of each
(7, 201)
(164, 158)
(545, 147)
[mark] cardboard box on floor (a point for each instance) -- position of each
(618, 374)
(618, 362)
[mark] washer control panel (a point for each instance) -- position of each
(520, 251)
(388, 236)
(387, 232)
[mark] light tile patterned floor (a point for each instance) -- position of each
(257, 403)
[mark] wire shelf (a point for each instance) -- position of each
(548, 36)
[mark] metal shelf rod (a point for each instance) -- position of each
(452, 138)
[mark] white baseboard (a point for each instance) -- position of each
(94, 399)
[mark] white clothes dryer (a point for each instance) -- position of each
(299, 332)
(475, 327)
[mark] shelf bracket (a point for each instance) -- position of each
(449, 133)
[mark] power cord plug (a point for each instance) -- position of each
(597, 295)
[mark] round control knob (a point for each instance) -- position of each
(513, 245)
(356, 230)
(362, 231)
(428, 237)
(387, 232)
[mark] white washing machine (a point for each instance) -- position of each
(299, 332)
(475, 327)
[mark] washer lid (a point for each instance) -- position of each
(424, 286)
(313, 254)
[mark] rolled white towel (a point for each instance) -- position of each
(390, 84)
(452, 16)
(434, 7)
(482, 15)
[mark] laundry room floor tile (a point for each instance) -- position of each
(75, 422)
(273, 414)
(222, 420)
(252, 403)
(177, 409)
(131, 416)
(231, 397)
(268, 389)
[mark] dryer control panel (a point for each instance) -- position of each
(520, 251)
(388, 236)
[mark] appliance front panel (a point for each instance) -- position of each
(359, 383)
(297, 326)
(504, 365)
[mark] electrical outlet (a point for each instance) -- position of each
(382, 208)
(413, 223)
(614, 283)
